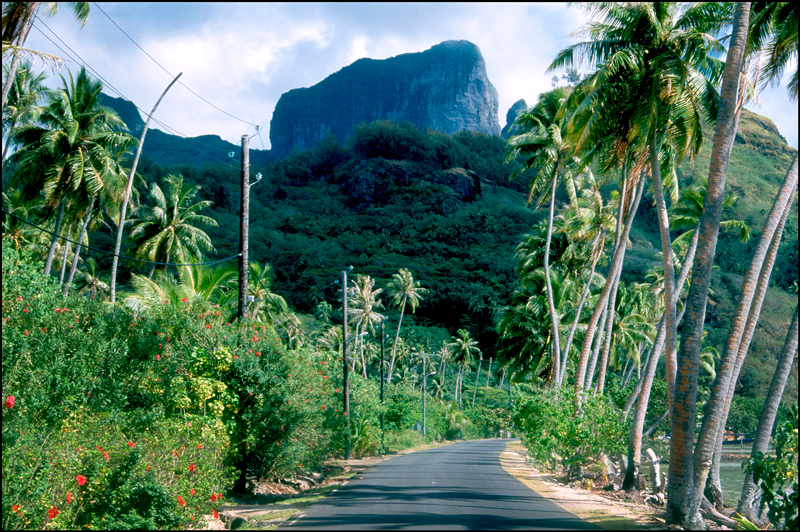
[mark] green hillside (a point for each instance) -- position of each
(443, 207)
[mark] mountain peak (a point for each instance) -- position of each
(443, 88)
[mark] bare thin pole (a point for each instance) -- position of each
(123, 211)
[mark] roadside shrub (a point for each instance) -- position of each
(549, 427)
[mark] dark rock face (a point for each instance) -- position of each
(512, 115)
(443, 88)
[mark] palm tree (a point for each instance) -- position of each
(683, 500)
(364, 306)
(686, 216)
(168, 227)
(20, 234)
(266, 305)
(709, 443)
(205, 283)
(546, 152)
(773, 33)
(90, 281)
(73, 150)
(663, 55)
(464, 346)
(22, 107)
(768, 415)
(17, 22)
(403, 289)
(586, 220)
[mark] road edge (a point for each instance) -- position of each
(606, 513)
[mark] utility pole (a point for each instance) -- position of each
(424, 382)
(346, 366)
(383, 413)
(244, 224)
(124, 209)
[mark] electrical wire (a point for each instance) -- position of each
(167, 71)
(122, 256)
(83, 63)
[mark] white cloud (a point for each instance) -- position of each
(242, 57)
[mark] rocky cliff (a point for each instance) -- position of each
(443, 88)
(511, 116)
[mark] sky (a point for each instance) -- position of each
(242, 57)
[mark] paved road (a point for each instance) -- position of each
(455, 487)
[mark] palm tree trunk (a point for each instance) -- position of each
(715, 411)
(64, 254)
(48, 264)
(574, 327)
(669, 270)
(477, 378)
(714, 485)
(78, 247)
(458, 386)
(397, 337)
(601, 374)
(655, 425)
(502, 379)
(19, 41)
(124, 208)
(616, 264)
(683, 503)
(598, 342)
(555, 346)
(768, 415)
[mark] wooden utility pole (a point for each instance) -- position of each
(124, 209)
(244, 224)
(346, 367)
(383, 413)
(424, 383)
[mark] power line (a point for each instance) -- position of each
(167, 71)
(83, 63)
(120, 256)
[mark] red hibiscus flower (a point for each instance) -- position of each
(213, 498)
(52, 512)
(9, 402)
(81, 480)
(208, 326)
(215, 514)
(184, 300)
(192, 467)
(69, 497)
(199, 446)
(191, 492)
(181, 501)
(131, 444)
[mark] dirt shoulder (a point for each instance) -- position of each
(593, 506)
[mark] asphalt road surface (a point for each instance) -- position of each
(455, 487)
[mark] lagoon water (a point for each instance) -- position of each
(730, 473)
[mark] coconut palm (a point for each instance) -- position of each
(17, 22)
(773, 34)
(664, 57)
(403, 289)
(73, 149)
(167, 227)
(586, 219)
(768, 415)
(22, 106)
(266, 305)
(364, 307)
(90, 281)
(18, 233)
(546, 153)
(465, 348)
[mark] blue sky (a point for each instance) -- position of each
(242, 57)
